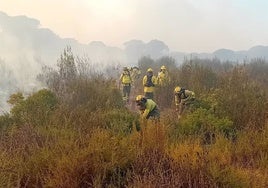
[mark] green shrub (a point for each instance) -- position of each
(5, 121)
(36, 109)
(119, 121)
(202, 122)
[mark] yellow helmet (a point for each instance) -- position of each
(150, 70)
(140, 99)
(177, 89)
(163, 67)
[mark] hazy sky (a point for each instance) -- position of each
(184, 25)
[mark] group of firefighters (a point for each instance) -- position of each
(145, 103)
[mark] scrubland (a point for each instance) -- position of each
(77, 132)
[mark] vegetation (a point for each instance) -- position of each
(78, 133)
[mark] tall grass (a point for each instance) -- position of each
(66, 157)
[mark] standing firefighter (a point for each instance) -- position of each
(183, 98)
(149, 82)
(147, 107)
(163, 77)
(135, 75)
(125, 79)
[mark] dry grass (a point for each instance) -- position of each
(94, 141)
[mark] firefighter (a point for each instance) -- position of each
(149, 82)
(163, 77)
(125, 79)
(147, 107)
(183, 98)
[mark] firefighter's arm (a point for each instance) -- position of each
(145, 113)
(158, 79)
(154, 80)
(144, 81)
(190, 96)
(177, 102)
(193, 95)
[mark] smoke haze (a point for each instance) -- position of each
(25, 47)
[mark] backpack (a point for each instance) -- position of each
(149, 82)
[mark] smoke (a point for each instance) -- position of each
(17, 64)
(26, 47)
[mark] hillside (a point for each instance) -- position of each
(78, 132)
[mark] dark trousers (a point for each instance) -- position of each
(126, 92)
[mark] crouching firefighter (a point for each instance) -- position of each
(148, 108)
(183, 98)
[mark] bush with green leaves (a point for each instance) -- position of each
(120, 121)
(34, 110)
(203, 123)
(5, 121)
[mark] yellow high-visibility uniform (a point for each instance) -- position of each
(149, 89)
(150, 110)
(163, 78)
(125, 78)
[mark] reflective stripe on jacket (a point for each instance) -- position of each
(149, 89)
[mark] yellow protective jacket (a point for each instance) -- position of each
(125, 78)
(163, 78)
(181, 98)
(149, 89)
(150, 105)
